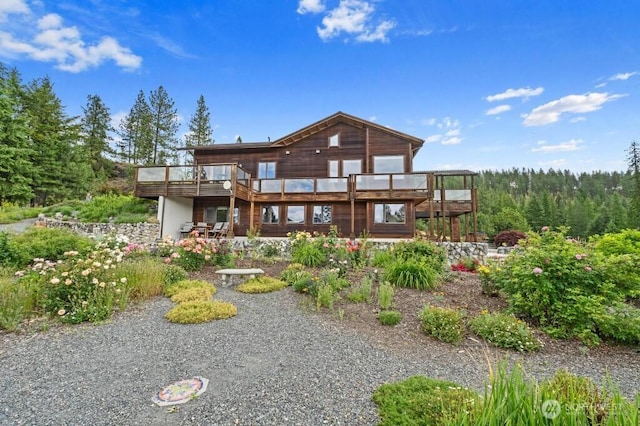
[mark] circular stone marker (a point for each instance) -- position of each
(181, 391)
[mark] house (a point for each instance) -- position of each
(341, 171)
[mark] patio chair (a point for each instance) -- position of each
(186, 228)
(221, 231)
(203, 229)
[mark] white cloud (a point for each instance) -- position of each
(577, 119)
(53, 42)
(450, 128)
(498, 110)
(355, 18)
(8, 7)
(623, 76)
(429, 122)
(570, 145)
(579, 104)
(525, 93)
(310, 6)
(451, 141)
(433, 138)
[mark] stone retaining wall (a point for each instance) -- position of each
(282, 247)
(140, 233)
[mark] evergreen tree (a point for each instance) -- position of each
(164, 124)
(633, 160)
(16, 169)
(534, 213)
(200, 132)
(136, 133)
(60, 172)
(95, 134)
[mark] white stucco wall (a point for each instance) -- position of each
(172, 213)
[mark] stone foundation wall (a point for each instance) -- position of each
(140, 233)
(282, 247)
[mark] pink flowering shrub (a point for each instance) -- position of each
(569, 289)
(194, 252)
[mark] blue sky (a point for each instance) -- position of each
(487, 84)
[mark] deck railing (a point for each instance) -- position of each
(214, 175)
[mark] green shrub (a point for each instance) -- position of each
(292, 272)
(17, 301)
(421, 400)
(309, 254)
(103, 208)
(505, 331)
(618, 321)
(565, 286)
(444, 324)
(199, 311)
(389, 317)
(385, 295)
(333, 279)
(412, 273)
(326, 296)
(305, 283)
(623, 242)
(362, 292)
(171, 290)
(173, 274)
(424, 252)
(261, 285)
(382, 258)
(46, 243)
(192, 294)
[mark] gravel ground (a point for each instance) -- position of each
(275, 363)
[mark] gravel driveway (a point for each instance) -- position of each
(274, 363)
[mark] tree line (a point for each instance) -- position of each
(588, 203)
(47, 156)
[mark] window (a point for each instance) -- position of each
(388, 164)
(389, 213)
(267, 170)
(295, 214)
(270, 214)
(334, 140)
(351, 167)
(321, 214)
(333, 168)
(220, 214)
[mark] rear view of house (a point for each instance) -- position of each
(340, 171)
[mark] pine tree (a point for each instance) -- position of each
(16, 169)
(95, 132)
(60, 170)
(136, 133)
(633, 160)
(164, 124)
(200, 132)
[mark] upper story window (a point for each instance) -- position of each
(351, 167)
(388, 164)
(267, 170)
(334, 140)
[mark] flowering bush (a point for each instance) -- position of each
(505, 331)
(467, 264)
(444, 324)
(80, 288)
(193, 253)
(564, 285)
(320, 250)
(487, 278)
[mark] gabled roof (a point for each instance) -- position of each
(338, 117)
(341, 117)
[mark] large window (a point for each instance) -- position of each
(220, 214)
(334, 168)
(295, 214)
(334, 140)
(321, 215)
(267, 170)
(270, 214)
(388, 164)
(389, 213)
(351, 167)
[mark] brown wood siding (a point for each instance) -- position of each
(303, 161)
